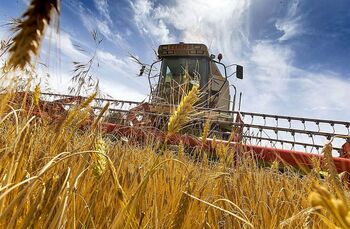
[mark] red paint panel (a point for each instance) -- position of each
(294, 158)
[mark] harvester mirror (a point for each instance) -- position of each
(142, 70)
(212, 56)
(239, 72)
(220, 57)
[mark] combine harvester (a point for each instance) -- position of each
(293, 141)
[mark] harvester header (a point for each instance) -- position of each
(182, 49)
(181, 66)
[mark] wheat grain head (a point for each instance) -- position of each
(181, 115)
(30, 33)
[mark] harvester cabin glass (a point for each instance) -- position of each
(186, 65)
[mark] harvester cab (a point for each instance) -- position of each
(183, 66)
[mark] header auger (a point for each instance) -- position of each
(290, 140)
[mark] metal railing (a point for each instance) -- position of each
(287, 132)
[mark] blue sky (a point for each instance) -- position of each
(296, 53)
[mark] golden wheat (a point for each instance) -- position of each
(340, 210)
(181, 211)
(331, 170)
(181, 114)
(142, 189)
(57, 176)
(99, 159)
(36, 95)
(31, 28)
(206, 129)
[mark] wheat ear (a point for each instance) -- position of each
(322, 198)
(332, 170)
(30, 32)
(100, 162)
(36, 95)
(205, 131)
(181, 115)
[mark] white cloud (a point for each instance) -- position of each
(149, 23)
(272, 83)
(290, 25)
(326, 94)
(121, 82)
(267, 77)
(101, 23)
(104, 25)
(119, 66)
(59, 83)
(120, 91)
(103, 8)
(112, 60)
(64, 42)
(290, 28)
(67, 47)
(106, 31)
(121, 70)
(215, 23)
(114, 75)
(91, 23)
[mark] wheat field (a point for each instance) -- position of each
(54, 174)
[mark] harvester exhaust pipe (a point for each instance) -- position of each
(240, 101)
(234, 97)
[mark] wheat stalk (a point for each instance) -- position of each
(205, 131)
(76, 110)
(321, 197)
(181, 150)
(98, 119)
(31, 28)
(36, 95)
(181, 115)
(181, 210)
(100, 162)
(332, 170)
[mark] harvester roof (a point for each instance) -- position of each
(182, 49)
